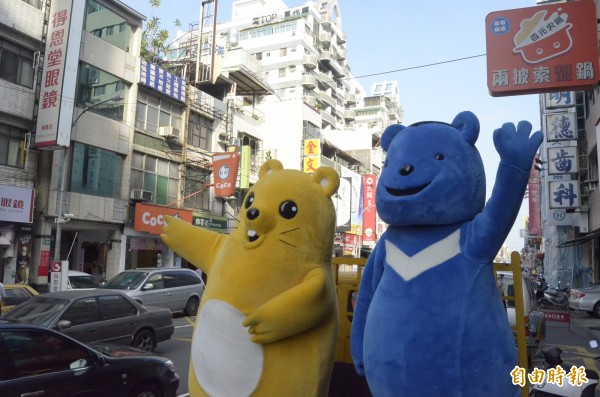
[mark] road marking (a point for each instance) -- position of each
(192, 323)
(184, 326)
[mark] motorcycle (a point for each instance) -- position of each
(547, 388)
(555, 297)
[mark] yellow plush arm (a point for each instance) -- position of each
(293, 311)
(197, 245)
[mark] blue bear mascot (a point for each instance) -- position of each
(429, 320)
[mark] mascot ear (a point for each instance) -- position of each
(328, 178)
(269, 167)
(468, 124)
(389, 133)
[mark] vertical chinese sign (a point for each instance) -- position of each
(369, 212)
(312, 155)
(61, 58)
(542, 49)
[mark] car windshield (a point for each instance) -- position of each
(83, 282)
(126, 280)
(38, 310)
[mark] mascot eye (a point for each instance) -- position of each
(249, 200)
(439, 156)
(288, 209)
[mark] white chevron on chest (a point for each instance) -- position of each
(409, 267)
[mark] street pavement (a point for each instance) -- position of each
(574, 338)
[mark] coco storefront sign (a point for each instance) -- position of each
(542, 49)
(151, 218)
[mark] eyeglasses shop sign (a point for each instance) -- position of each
(16, 204)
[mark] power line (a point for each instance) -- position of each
(416, 67)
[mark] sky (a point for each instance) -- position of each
(434, 49)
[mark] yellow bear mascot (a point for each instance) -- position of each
(267, 324)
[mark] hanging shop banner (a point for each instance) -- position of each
(225, 173)
(542, 49)
(312, 147)
(61, 59)
(150, 218)
(563, 194)
(533, 189)
(563, 160)
(16, 204)
(559, 100)
(369, 211)
(560, 126)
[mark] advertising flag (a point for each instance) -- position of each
(225, 172)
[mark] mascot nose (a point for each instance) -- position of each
(252, 213)
(406, 170)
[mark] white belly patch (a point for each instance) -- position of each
(226, 362)
(409, 267)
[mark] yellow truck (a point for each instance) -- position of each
(528, 325)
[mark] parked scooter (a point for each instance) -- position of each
(551, 389)
(555, 297)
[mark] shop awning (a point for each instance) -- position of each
(579, 240)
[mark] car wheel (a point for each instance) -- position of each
(191, 307)
(144, 340)
(597, 309)
(146, 390)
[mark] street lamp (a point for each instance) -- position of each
(62, 218)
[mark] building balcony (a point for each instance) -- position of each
(325, 56)
(326, 98)
(349, 114)
(243, 69)
(328, 118)
(326, 21)
(309, 81)
(341, 54)
(338, 69)
(309, 61)
(350, 98)
(311, 100)
(325, 38)
(341, 38)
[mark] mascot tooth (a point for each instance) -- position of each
(267, 324)
(428, 319)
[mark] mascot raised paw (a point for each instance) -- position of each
(267, 324)
(428, 319)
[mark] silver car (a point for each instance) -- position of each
(586, 299)
(96, 316)
(177, 289)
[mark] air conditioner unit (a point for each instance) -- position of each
(223, 139)
(141, 195)
(168, 132)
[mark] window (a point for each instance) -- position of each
(196, 193)
(105, 24)
(258, 56)
(35, 3)
(180, 279)
(96, 171)
(282, 72)
(82, 311)
(156, 280)
(36, 352)
(154, 111)
(200, 130)
(95, 86)
(282, 52)
(159, 176)
(114, 306)
(16, 63)
(12, 146)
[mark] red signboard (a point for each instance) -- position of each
(547, 48)
(559, 316)
(150, 218)
(225, 172)
(369, 212)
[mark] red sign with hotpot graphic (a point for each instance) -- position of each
(150, 218)
(542, 49)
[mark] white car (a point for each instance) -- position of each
(80, 280)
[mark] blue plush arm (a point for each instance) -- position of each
(489, 229)
(370, 280)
